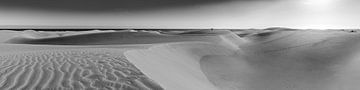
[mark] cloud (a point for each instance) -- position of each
(103, 5)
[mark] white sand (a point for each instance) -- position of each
(285, 60)
(203, 60)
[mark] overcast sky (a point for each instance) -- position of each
(183, 13)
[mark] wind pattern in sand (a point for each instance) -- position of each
(98, 69)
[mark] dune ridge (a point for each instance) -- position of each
(120, 38)
(181, 59)
(275, 60)
(169, 64)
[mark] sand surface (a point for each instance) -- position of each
(71, 69)
(276, 59)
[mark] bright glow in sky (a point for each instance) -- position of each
(234, 14)
(319, 3)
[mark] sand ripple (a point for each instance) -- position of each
(71, 70)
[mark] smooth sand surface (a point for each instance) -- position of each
(294, 60)
(194, 60)
(278, 60)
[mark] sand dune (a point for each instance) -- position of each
(280, 60)
(179, 68)
(305, 61)
(111, 38)
(7, 34)
(54, 34)
(273, 59)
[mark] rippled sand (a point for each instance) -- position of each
(74, 69)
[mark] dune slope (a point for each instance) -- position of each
(278, 60)
(176, 66)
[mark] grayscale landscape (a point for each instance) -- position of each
(179, 45)
(262, 59)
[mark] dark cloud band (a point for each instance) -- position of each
(102, 5)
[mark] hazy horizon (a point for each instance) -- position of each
(24, 27)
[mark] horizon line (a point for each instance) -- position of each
(97, 27)
(3, 27)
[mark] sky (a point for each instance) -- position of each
(305, 14)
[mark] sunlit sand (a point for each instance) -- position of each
(272, 59)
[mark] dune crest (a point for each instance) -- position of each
(181, 59)
(175, 65)
(121, 38)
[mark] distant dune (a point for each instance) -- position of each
(111, 38)
(54, 34)
(8, 34)
(273, 59)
